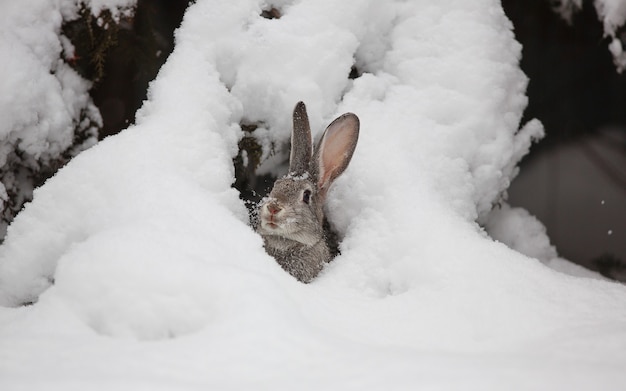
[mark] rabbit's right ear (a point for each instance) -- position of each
(301, 145)
(335, 150)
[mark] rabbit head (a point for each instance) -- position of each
(293, 214)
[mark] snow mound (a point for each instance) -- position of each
(142, 237)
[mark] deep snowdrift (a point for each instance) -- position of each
(144, 272)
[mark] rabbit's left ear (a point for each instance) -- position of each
(335, 150)
(301, 145)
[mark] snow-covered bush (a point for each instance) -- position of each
(47, 114)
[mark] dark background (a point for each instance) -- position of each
(574, 180)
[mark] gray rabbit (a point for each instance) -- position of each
(291, 218)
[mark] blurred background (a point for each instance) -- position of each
(574, 180)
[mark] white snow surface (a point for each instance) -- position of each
(145, 274)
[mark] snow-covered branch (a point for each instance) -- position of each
(612, 15)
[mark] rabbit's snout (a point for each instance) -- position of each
(273, 208)
(270, 214)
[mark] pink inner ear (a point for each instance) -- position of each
(336, 149)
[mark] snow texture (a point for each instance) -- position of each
(44, 103)
(41, 96)
(144, 273)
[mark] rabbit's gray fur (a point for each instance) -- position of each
(292, 229)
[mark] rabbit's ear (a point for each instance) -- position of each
(335, 150)
(300, 156)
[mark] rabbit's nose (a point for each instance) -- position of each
(273, 208)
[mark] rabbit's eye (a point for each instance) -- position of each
(306, 196)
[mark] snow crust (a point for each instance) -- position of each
(144, 272)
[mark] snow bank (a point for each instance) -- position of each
(141, 238)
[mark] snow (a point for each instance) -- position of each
(144, 273)
(44, 105)
(612, 14)
(41, 96)
(521, 231)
